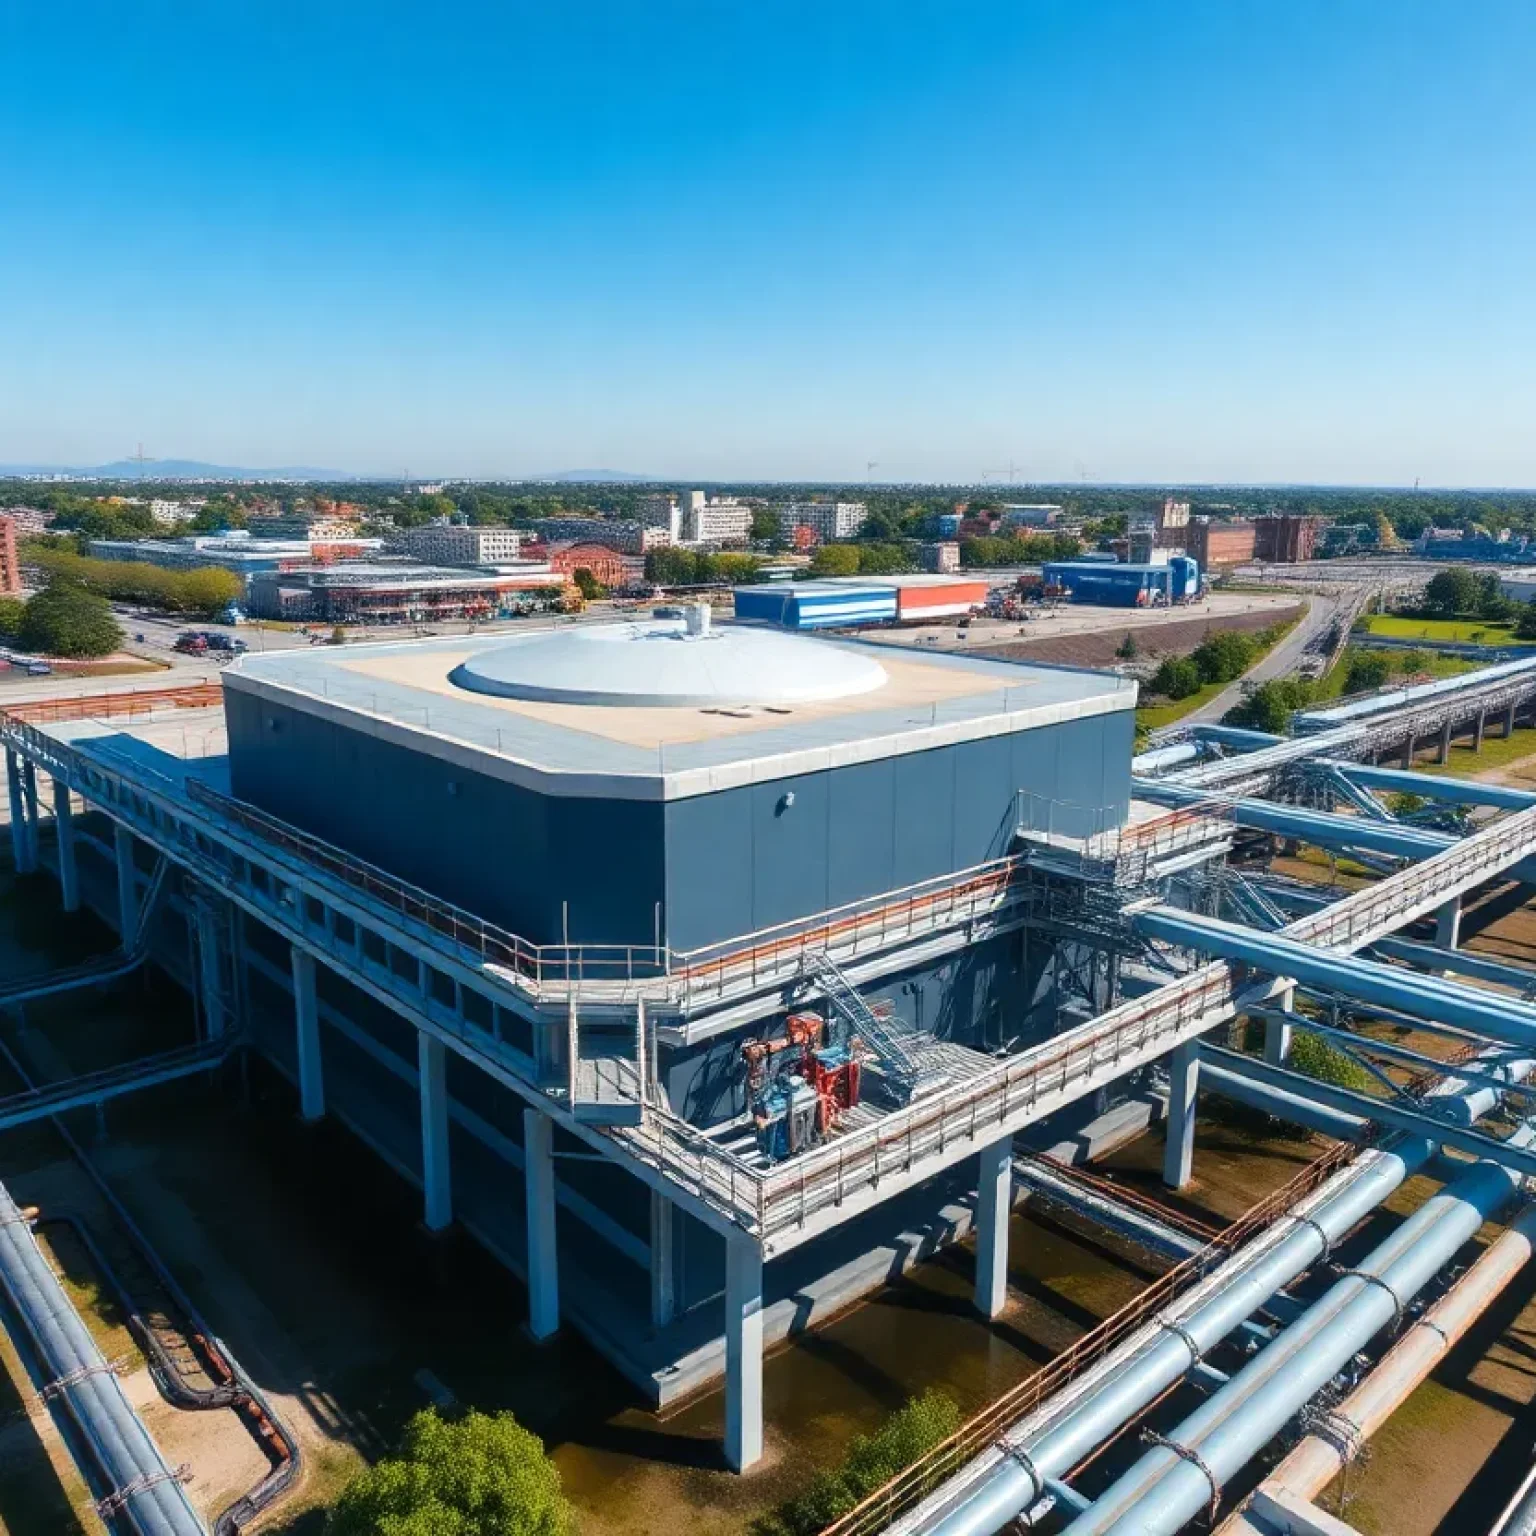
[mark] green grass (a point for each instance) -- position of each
(1498, 752)
(1153, 717)
(1464, 631)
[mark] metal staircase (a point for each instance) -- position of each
(899, 1064)
(1251, 903)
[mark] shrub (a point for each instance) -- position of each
(871, 1461)
(475, 1476)
(1225, 656)
(1313, 1057)
(1270, 705)
(11, 611)
(1177, 678)
(1367, 670)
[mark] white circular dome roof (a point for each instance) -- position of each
(661, 663)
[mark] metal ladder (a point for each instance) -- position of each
(896, 1059)
(1252, 902)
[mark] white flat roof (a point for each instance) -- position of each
(658, 749)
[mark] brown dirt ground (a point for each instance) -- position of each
(1097, 649)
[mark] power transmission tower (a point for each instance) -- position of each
(141, 459)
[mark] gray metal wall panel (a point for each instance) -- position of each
(861, 831)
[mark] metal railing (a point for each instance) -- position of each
(908, 1488)
(128, 703)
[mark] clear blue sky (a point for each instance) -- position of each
(1127, 239)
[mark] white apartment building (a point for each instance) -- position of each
(661, 514)
(171, 513)
(459, 544)
(828, 520)
(714, 519)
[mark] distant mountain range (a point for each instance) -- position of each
(175, 469)
(195, 469)
(596, 477)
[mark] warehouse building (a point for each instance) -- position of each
(397, 594)
(1114, 585)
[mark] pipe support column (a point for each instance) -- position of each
(743, 1352)
(1444, 754)
(436, 1174)
(208, 969)
(1183, 1085)
(306, 1015)
(1277, 1033)
(539, 1188)
(20, 844)
(127, 884)
(663, 1261)
(1448, 924)
(64, 826)
(994, 1205)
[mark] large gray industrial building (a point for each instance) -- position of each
(689, 968)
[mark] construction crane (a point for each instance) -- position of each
(870, 468)
(1012, 471)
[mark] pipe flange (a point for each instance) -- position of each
(1193, 1457)
(1019, 1454)
(1372, 1279)
(1182, 1333)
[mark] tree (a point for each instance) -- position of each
(1452, 592)
(67, 621)
(671, 567)
(835, 560)
(11, 611)
(1269, 707)
(1525, 625)
(588, 584)
(1128, 650)
(765, 527)
(475, 1476)
(1177, 678)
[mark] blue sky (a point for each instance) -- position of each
(1113, 239)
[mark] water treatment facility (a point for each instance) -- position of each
(707, 976)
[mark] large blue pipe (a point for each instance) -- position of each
(1431, 785)
(1422, 997)
(1164, 1490)
(1325, 829)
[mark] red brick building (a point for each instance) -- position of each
(1215, 545)
(1286, 537)
(607, 565)
(10, 567)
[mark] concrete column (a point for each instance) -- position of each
(29, 798)
(1408, 750)
(18, 811)
(663, 1257)
(743, 1352)
(64, 826)
(1509, 721)
(306, 1017)
(1448, 924)
(436, 1178)
(208, 942)
(1444, 754)
(1478, 729)
(1183, 1081)
(994, 1202)
(127, 884)
(1277, 1033)
(543, 1262)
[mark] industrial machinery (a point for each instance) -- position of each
(796, 1102)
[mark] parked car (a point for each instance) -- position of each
(191, 644)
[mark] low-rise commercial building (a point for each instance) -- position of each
(235, 552)
(395, 594)
(460, 544)
(1031, 515)
(609, 566)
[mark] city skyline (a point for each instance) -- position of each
(1110, 244)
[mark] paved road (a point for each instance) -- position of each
(1280, 662)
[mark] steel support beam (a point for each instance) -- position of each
(1183, 1089)
(208, 957)
(1277, 1029)
(436, 1174)
(543, 1260)
(1459, 962)
(1432, 786)
(64, 829)
(306, 1019)
(20, 842)
(994, 1206)
(1448, 924)
(743, 1352)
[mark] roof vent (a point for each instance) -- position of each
(696, 620)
